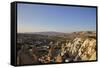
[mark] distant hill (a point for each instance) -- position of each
(72, 34)
(51, 33)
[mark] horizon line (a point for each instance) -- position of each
(58, 31)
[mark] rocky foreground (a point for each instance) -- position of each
(80, 46)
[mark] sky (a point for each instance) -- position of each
(41, 18)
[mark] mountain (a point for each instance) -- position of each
(49, 33)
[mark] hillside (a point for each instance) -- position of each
(70, 47)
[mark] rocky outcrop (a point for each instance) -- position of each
(81, 49)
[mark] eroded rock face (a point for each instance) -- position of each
(81, 49)
(87, 50)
